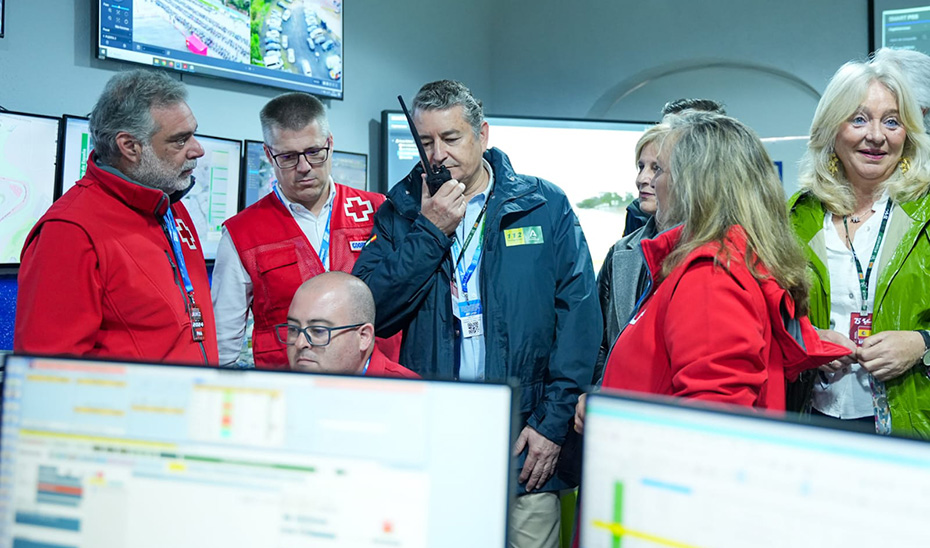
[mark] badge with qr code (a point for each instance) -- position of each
(472, 326)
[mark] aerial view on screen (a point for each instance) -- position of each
(299, 36)
(28, 147)
(203, 28)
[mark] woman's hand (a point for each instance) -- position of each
(842, 340)
(890, 354)
(579, 414)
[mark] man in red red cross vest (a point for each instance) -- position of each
(308, 225)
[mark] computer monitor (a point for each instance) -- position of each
(657, 473)
(76, 144)
(285, 43)
(351, 169)
(592, 161)
(215, 196)
(28, 159)
(113, 455)
(901, 24)
(348, 168)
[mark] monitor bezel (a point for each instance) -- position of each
(211, 262)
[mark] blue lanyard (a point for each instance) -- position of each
(466, 274)
(175, 238)
(323, 253)
(367, 363)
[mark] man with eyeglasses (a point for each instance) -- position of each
(308, 225)
(330, 329)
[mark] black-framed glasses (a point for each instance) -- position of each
(317, 335)
(314, 156)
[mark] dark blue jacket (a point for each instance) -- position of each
(542, 321)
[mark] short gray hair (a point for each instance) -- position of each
(292, 111)
(444, 94)
(126, 106)
(915, 67)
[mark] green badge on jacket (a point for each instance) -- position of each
(526, 235)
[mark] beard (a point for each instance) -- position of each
(154, 172)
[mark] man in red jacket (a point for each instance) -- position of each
(307, 226)
(330, 329)
(114, 268)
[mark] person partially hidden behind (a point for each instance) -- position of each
(330, 329)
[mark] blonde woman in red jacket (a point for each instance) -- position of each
(725, 317)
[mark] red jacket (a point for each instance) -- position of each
(98, 278)
(714, 333)
(278, 258)
(381, 366)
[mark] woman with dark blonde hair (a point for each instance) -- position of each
(862, 215)
(724, 319)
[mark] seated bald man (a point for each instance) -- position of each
(330, 329)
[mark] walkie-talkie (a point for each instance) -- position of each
(435, 176)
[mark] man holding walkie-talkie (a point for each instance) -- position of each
(490, 278)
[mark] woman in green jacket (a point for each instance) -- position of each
(862, 214)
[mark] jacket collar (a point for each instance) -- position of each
(656, 250)
(142, 198)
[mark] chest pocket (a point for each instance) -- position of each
(280, 276)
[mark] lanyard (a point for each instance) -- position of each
(323, 253)
(864, 278)
(367, 363)
(175, 238)
(476, 257)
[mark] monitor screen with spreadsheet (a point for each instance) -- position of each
(107, 454)
(657, 473)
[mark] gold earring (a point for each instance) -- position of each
(904, 164)
(833, 166)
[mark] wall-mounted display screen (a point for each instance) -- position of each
(348, 168)
(28, 156)
(292, 44)
(598, 190)
(900, 24)
(215, 196)
(76, 144)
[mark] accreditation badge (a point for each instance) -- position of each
(196, 323)
(860, 327)
(472, 319)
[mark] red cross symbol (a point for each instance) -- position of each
(360, 210)
(185, 233)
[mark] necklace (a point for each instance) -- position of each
(858, 218)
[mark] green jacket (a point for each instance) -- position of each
(902, 298)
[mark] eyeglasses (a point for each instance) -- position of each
(314, 156)
(317, 335)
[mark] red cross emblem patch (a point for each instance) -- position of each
(360, 210)
(185, 233)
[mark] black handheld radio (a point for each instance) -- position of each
(435, 176)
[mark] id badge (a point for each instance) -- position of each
(470, 313)
(196, 323)
(860, 327)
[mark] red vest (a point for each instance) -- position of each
(278, 258)
(120, 298)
